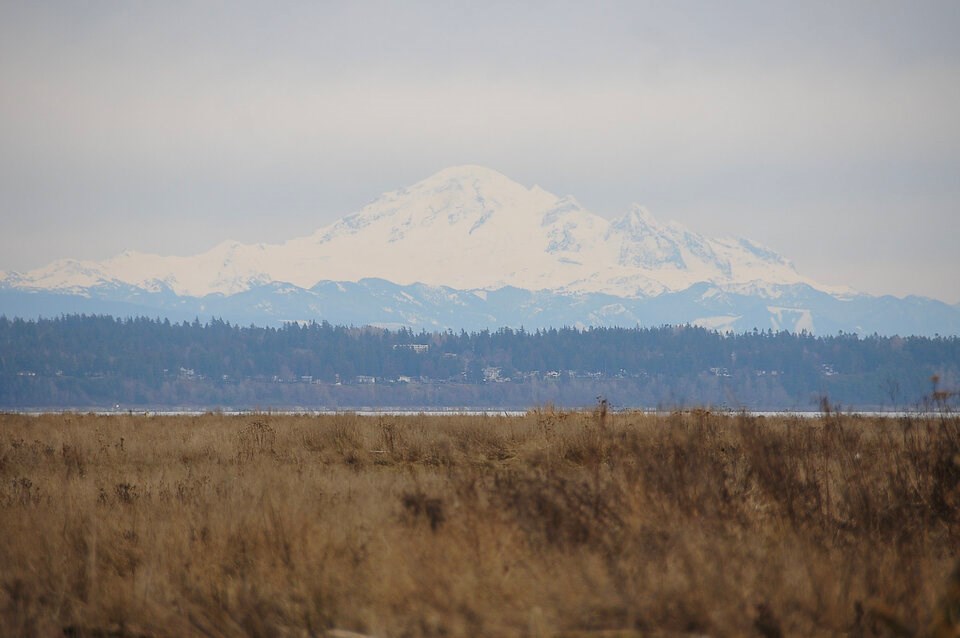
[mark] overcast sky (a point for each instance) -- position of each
(827, 131)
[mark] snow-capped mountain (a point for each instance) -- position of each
(469, 248)
(466, 227)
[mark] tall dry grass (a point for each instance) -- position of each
(552, 524)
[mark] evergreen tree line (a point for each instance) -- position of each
(78, 357)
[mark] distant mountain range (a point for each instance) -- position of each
(469, 248)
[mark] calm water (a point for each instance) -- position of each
(491, 412)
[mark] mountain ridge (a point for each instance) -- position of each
(468, 248)
(466, 227)
(379, 302)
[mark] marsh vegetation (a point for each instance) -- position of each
(553, 523)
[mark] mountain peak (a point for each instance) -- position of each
(468, 227)
(471, 180)
(638, 217)
(468, 172)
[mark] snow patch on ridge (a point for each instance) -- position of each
(792, 319)
(720, 323)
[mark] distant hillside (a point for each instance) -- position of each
(86, 361)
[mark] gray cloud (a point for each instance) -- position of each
(828, 132)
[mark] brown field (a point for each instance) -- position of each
(552, 524)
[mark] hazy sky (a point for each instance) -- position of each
(827, 131)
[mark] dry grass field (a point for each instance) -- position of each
(551, 524)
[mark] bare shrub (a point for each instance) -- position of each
(255, 439)
(418, 505)
(560, 511)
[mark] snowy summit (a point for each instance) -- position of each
(466, 227)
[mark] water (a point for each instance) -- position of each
(488, 412)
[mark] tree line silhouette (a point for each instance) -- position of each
(76, 358)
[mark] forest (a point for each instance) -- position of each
(91, 361)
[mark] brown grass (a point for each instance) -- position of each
(552, 524)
